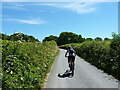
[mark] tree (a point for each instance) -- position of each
(80, 39)
(98, 39)
(22, 37)
(69, 37)
(50, 38)
(88, 39)
(107, 39)
(16, 37)
(4, 36)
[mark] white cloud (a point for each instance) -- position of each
(60, 0)
(78, 7)
(30, 21)
(46, 4)
(15, 6)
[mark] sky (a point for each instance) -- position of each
(42, 19)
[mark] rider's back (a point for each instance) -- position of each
(71, 52)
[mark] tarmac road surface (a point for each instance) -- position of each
(85, 75)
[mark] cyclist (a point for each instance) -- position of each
(71, 57)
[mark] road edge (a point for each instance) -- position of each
(47, 75)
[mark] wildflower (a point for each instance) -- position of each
(11, 72)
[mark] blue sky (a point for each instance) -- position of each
(41, 19)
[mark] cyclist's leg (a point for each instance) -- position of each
(69, 61)
(70, 65)
(73, 60)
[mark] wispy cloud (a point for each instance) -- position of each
(14, 5)
(60, 1)
(30, 21)
(78, 7)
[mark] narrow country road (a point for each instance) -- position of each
(85, 76)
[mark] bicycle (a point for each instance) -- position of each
(71, 66)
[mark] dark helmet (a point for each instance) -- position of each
(69, 47)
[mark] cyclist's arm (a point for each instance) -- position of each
(75, 53)
(66, 53)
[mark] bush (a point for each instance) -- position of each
(115, 54)
(26, 64)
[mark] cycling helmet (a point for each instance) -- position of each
(69, 47)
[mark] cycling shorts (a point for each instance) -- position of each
(71, 58)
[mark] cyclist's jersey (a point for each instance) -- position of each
(71, 52)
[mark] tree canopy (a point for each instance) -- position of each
(50, 38)
(107, 39)
(18, 37)
(88, 39)
(69, 37)
(98, 39)
(4, 36)
(63, 38)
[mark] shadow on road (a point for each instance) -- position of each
(67, 73)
